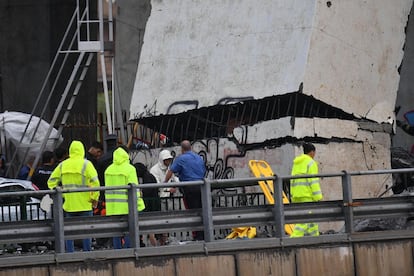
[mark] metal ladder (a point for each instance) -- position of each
(76, 42)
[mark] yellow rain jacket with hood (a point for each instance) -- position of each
(119, 173)
(73, 173)
(305, 189)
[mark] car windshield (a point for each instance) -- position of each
(12, 187)
(10, 206)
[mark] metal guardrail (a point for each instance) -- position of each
(185, 220)
(208, 218)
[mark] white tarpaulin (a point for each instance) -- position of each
(13, 125)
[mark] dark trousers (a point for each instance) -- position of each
(192, 200)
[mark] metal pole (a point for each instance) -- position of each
(207, 210)
(133, 215)
(117, 100)
(88, 35)
(111, 39)
(113, 100)
(103, 69)
(77, 21)
(58, 221)
(347, 199)
(110, 21)
(278, 210)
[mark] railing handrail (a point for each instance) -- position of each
(215, 183)
(346, 209)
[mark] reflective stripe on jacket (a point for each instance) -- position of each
(120, 173)
(305, 189)
(73, 173)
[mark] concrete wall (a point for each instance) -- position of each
(130, 25)
(189, 52)
(365, 150)
(344, 52)
(224, 159)
(355, 53)
(379, 259)
(25, 51)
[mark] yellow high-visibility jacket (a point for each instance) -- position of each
(305, 189)
(119, 173)
(73, 173)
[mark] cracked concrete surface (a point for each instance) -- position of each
(202, 77)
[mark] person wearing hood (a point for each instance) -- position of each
(74, 173)
(159, 170)
(120, 173)
(305, 189)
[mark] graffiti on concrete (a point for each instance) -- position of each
(216, 157)
(216, 167)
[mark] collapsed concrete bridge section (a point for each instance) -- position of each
(252, 80)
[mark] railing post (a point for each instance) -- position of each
(278, 210)
(58, 221)
(23, 209)
(347, 199)
(207, 210)
(133, 216)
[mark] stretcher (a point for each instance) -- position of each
(261, 168)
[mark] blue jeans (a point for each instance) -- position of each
(117, 242)
(86, 243)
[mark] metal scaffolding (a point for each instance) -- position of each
(83, 39)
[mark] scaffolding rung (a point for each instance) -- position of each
(78, 31)
(88, 21)
(69, 51)
(90, 46)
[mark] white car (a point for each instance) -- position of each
(10, 206)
